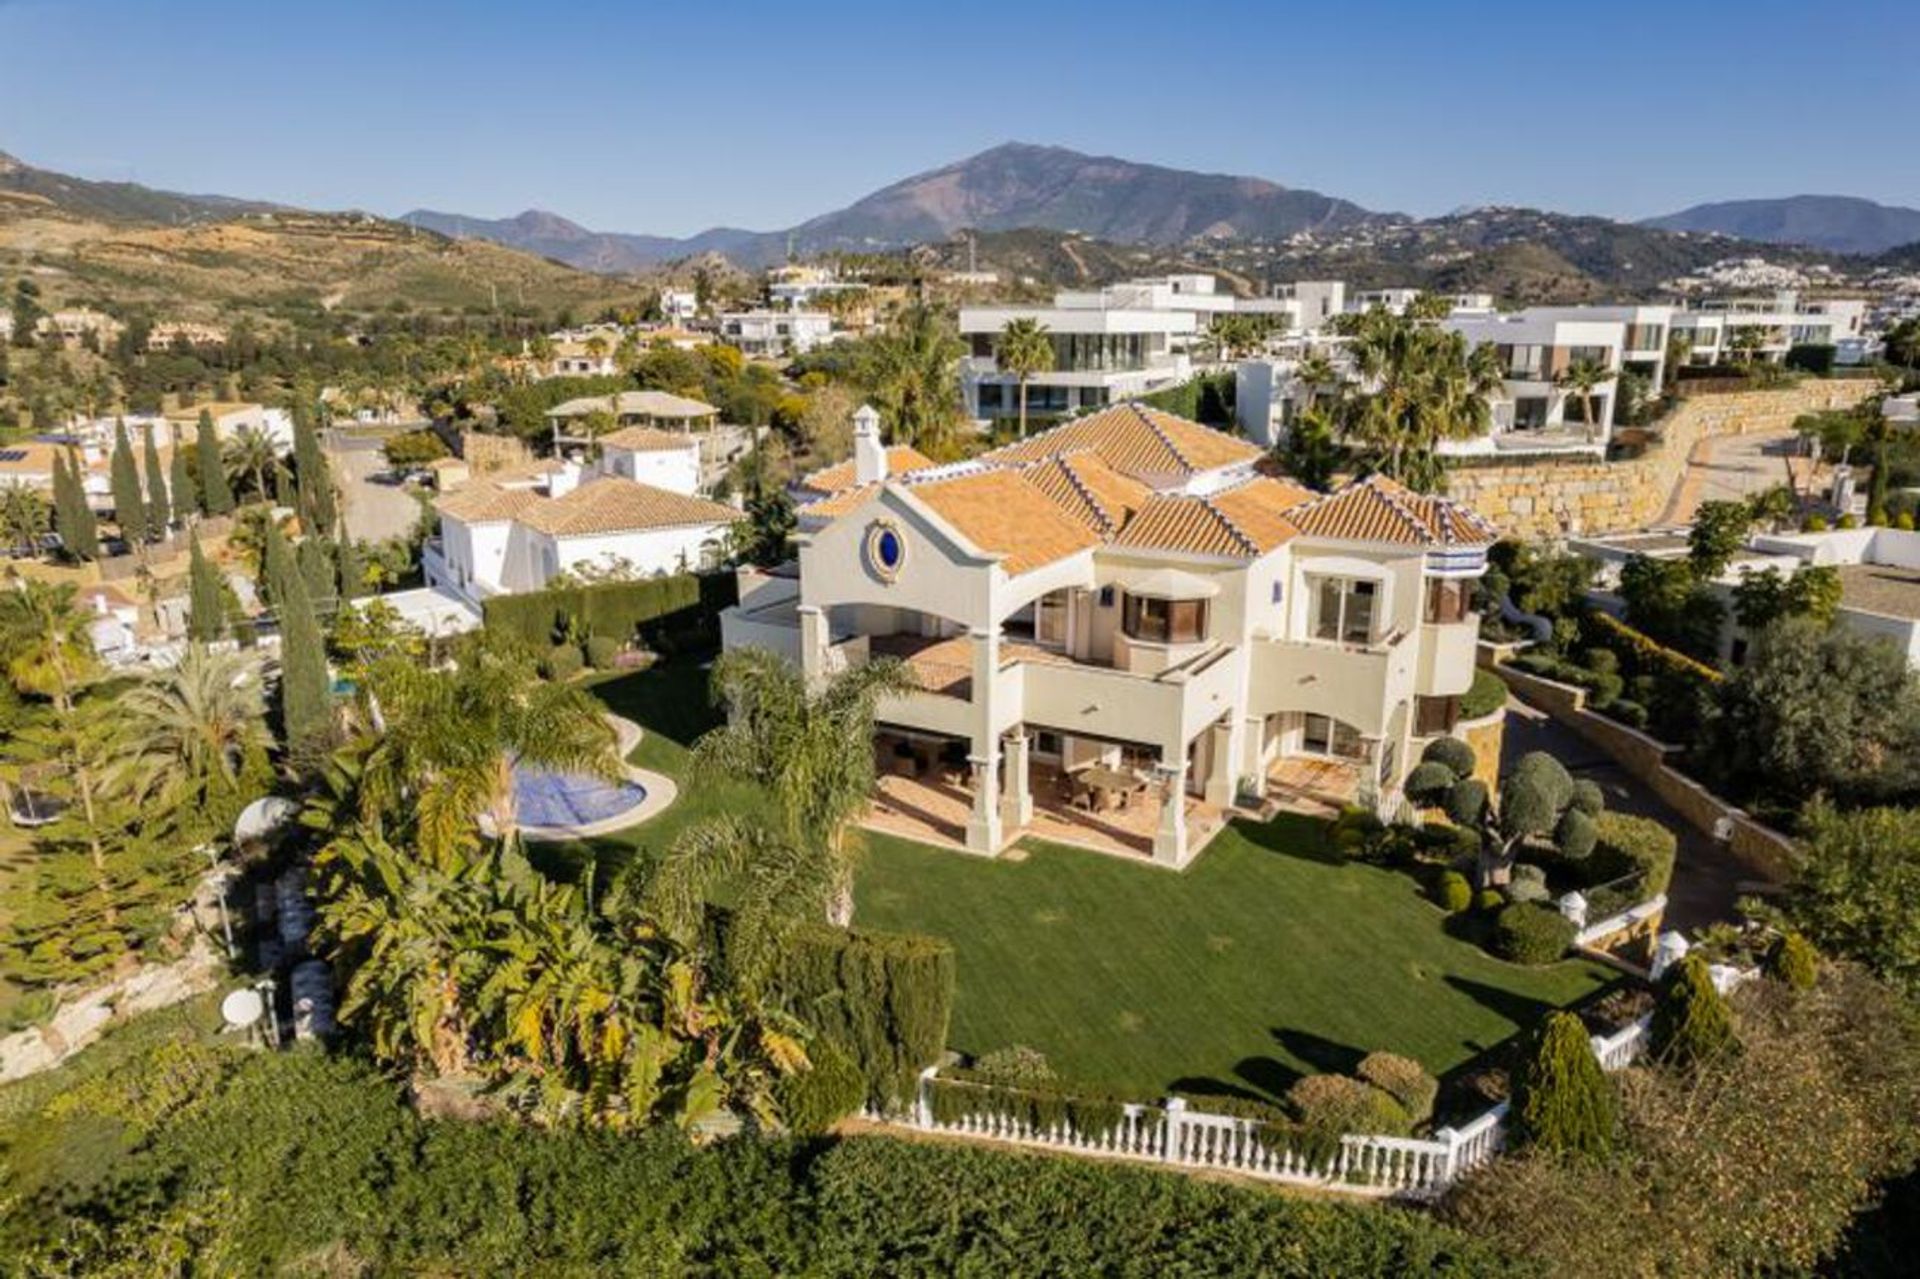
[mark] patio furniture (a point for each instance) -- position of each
(1109, 787)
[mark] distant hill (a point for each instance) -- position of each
(22, 184)
(1012, 186)
(194, 256)
(1838, 223)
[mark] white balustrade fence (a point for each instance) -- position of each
(1176, 1135)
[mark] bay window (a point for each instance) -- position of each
(1158, 621)
(1448, 599)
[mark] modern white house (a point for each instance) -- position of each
(679, 306)
(515, 530)
(774, 334)
(229, 418)
(1712, 326)
(1122, 606)
(1535, 409)
(1101, 355)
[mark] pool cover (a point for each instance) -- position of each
(549, 799)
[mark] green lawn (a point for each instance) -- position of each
(1266, 959)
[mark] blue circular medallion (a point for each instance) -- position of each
(886, 550)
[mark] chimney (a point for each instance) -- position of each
(869, 455)
(563, 479)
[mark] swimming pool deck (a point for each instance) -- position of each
(659, 788)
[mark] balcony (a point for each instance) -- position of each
(1355, 683)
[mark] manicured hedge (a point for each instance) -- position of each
(1487, 695)
(1635, 845)
(1207, 398)
(883, 998)
(297, 1163)
(682, 603)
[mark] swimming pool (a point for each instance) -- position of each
(553, 800)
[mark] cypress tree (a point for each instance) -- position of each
(185, 493)
(1691, 1023)
(159, 514)
(316, 570)
(206, 597)
(129, 509)
(1561, 1098)
(310, 468)
(304, 699)
(72, 517)
(350, 568)
(276, 564)
(1792, 960)
(216, 495)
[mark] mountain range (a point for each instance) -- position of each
(1015, 185)
(1839, 223)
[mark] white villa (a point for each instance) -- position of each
(1122, 608)
(1782, 322)
(774, 334)
(635, 514)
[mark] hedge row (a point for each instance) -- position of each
(883, 998)
(288, 1162)
(616, 610)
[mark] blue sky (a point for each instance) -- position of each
(670, 117)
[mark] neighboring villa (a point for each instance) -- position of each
(1781, 322)
(775, 334)
(515, 530)
(1122, 598)
(651, 422)
(1879, 576)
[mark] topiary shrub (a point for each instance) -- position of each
(1588, 798)
(1487, 695)
(1429, 782)
(1630, 713)
(603, 652)
(1451, 892)
(1526, 933)
(1793, 962)
(1016, 1065)
(1628, 844)
(1403, 1079)
(1467, 802)
(812, 1101)
(1575, 835)
(1601, 661)
(1562, 1100)
(1814, 524)
(1849, 521)
(562, 662)
(1452, 754)
(1337, 1104)
(1904, 521)
(1528, 884)
(1489, 900)
(1691, 1022)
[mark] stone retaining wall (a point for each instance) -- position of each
(1764, 850)
(1551, 499)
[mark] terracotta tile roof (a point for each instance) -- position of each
(525, 472)
(1259, 509)
(1191, 525)
(642, 439)
(616, 505)
(1001, 513)
(1145, 443)
(1085, 487)
(902, 459)
(837, 504)
(484, 501)
(652, 404)
(1377, 509)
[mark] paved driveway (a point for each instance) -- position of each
(1729, 468)
(1707, 878)
(374, 511)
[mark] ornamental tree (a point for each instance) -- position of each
(1539, 803)
(1691, 1022)
(1562, 1101)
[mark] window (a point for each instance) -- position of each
(1529, 412)
(1106, 597)
(1587, 355)
(1046, 743)
(1448, 599)
(1164, 621)
(1433, 715)
(1345, 609)
(1323, 735)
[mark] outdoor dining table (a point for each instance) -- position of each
(1109, 785)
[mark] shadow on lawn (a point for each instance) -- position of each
(1267, 1079)
(1293, 835)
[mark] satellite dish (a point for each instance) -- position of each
(261, 819)
(242, 1008)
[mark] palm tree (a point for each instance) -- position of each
(1419, 384)
(911, 372)
(1746, 341)
(1581, 380)
(200, 726)
(24, 516)
(1022, 350)
(252, 452)
(812, 748)
(1313, 373)
(452, 738)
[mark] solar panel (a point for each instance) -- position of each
(13, 455)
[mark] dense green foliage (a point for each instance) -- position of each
(1791, 959)
(1530, 933)
(216, 494)
(1486, 695)
(884, 999)
(263, 1164)
(1207, 398)
(1856, 889)
(1562, 1101)
(1632, 845)
(123, 476)
(683, 606)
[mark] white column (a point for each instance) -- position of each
(1016, 804)
(1170, 841)
(984, 829)
(813, 642)
(1226, 749)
